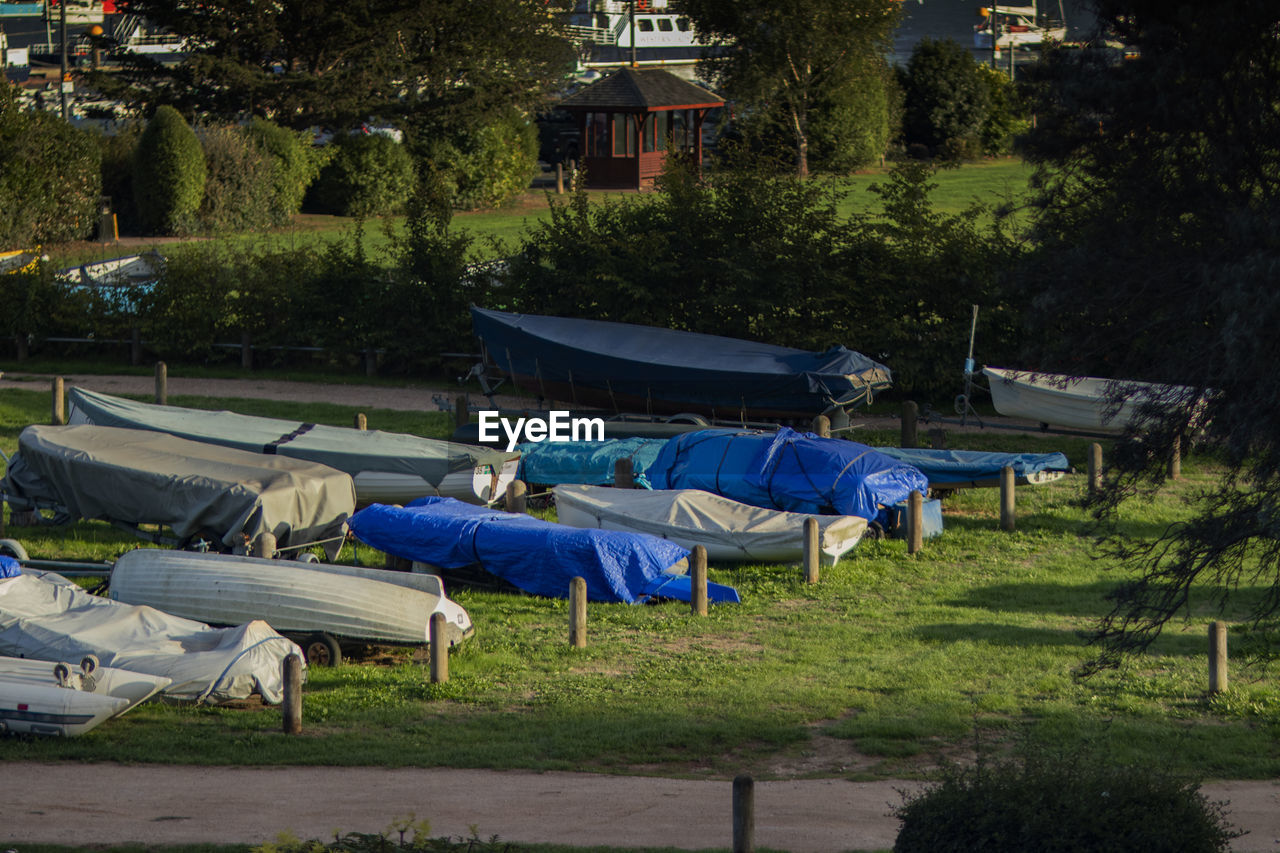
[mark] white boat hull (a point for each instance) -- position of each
(32, 701)
(1076, 402)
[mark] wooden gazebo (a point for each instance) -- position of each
(631, 120)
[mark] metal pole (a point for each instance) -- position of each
(62, 83)
(995, 31)
(634, 62)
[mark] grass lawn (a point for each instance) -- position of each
(888, 664)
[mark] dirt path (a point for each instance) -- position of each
(100, 803)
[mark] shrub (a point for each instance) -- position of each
(945, 96)
(294, 165)
(1051, 803)
(368, 175)
(168, 174)
(238, 191)
(489, 165)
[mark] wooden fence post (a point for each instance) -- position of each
(915, 522)
(439, 651)
(1095, 468)
(517, 500)
(811, 551)
(822, 426)
(578, 613)
(744, 815)
(162, 384)
(1175, 459)
(1217, 657)
(58, 416)
(624, 473)
(292, 695)
(1007, 515)
(698, 575)
(361, 421)
(910, 415)
(560, 178)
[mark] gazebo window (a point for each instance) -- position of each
(597, 134)
(624, 135)
(657, 129)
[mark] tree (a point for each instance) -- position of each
(787, 58)
(168, 173)
(945, 97)
(1158, 260)
(368, 175)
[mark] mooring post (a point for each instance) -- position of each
(439, 648)
(1006, 499)
(578, 613)
(624, 473)
(744, 814)
(58, 417)
(361, 421)
(1095, 468)
(1175, 459)
(517, 500)
(811, 550)
(461, 410)
(698, 577)
(292, 703)
(1217, 657)
(162, 384)
(915, 522)
(560, 178)
(822, 426)
(910, 415)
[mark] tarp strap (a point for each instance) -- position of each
(271, 448)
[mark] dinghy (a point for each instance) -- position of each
(590, 463)
(1077, 402)
(730, 531)
(39, 697)
(973, 469)
(387, 467)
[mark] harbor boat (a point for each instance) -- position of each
(617, 33)
(539, 557)
(39, 697)
(130, 270)
(1018, 26)
(624, 367)
(43, 616)
(18, 260)
(15, 66)
(319, 605)
(225, 498)
(77, 11)
(1076, 402)
(386, 467)
(729, 530)
(973, 469)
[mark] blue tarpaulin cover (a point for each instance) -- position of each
(589, 463)
(537, 556)
(967, 466)
(788, 470)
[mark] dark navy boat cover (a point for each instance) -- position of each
(537, 556)
(970, 466)
(589, 463)
(650, 363)
(788, 470)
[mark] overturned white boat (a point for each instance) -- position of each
(1078, 402)
(729, 530)
(46, 617)
(387, 467)
(40, 697)
(316, 602)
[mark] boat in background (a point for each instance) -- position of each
(605, 31)
(18, 260)
(1078, 402)
(1018, 26)
(44, 698)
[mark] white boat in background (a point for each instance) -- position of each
(138, 270)
(729, 530)
(40, 697)
(1079, 402)
(318, 603)
(604, 34)
(1018, 26)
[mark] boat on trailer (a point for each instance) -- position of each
(1077, 402)
(1018, 26)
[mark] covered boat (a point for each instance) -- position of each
(46, 617)
(342, 602)
(537, 556)
(198, 490)
(787, 470)
(118, 281)
(624, 367)
(387, 467)
(1078, 402)
(729, 530)
(40, 697)
(971, 469)
(587, 462)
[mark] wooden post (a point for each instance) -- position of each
(135, 346)
(292, 704)
(361, 421)
(439, 651)
(1175, 459)
(461, 410)
(698, 573)
(915, 522)
(744, 814)
(811, 551)
(578, 613)
(624, 475)
(516, 496)
(162, 384)
(1006, 499)
(822, 426)
(1095, 468)
(246, 351)
(58, 416)
(938, 438)
(1217, 657)
(264, 546)
(910, 415)
(560, 178)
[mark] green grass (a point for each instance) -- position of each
(888, 664)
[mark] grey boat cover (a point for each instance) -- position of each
(47, 617)
(140, 477)
(350, 450)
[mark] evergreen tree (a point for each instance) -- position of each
(168, 174)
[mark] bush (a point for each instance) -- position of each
(487, 166)
(294, 165)
(168, 174)
(1051, 803)
(238, 190)
(945, 97)
(368, 175)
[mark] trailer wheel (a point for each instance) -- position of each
(322, 650)
(306, 557)
(13, 548)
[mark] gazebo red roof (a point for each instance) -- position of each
(641, 89)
